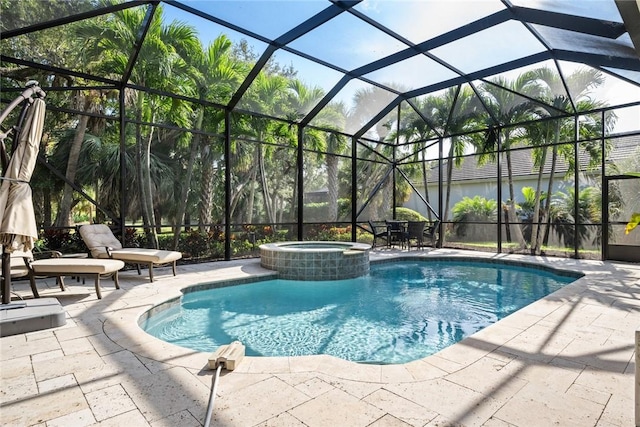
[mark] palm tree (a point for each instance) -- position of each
(280, 159)
(569, 224)
(268, 93)
(414, 128)
(160, 64)
(301, 100)
(551, 89)
(49, 46)
(98, 169)
(215, 74)
(229, 69)
(464, 114)
(90, 102)
(333, 116)
(451, 113)
(508, 109)
(335, 143)
(367, 103)
(241, 158)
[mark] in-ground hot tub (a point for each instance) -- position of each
(316, 260)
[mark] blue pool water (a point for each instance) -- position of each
(401, 311)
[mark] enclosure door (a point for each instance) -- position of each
(621, 199)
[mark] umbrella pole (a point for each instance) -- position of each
(6, 277)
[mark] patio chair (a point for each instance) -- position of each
(103, 244)
(379, 231)
(415, 231)
(431, 232)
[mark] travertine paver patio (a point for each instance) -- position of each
(566, 360)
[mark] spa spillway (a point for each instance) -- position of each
(316, 260)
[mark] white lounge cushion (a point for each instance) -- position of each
(98, 237)
(75, 267)
(71, 266)
(142, 255)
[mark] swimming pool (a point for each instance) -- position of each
(401, 311)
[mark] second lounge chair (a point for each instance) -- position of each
(24, 265)
(103, 244)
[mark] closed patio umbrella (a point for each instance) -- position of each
(18, 229)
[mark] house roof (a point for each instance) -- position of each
(622, 148)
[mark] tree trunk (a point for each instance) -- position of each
(516, 230)
(505, 217)
(46, 203)
(186, 182)
(205, 214)
(157, 213)
(152, 238)
(63, 219)
(425, 182)
(252, 189)
(265, 189)
(547, 206)
(139, 160)
(235, 200)
(143, 160)
(535, 246)
(387, 195)
(332, 186)
(448, 193)
(293, 212)
(146, 220)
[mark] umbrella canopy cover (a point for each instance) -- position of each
(18, 229)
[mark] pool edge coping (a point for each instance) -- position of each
(139, 342)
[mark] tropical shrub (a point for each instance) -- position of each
(319, 211)
(406, 214)
(344, 209)
(133, 239)
(195, 244)
(563, 214)
(330, 233)
(526, 209)
(476, 209)
(242, 247)
(316, 212)
(62, 240)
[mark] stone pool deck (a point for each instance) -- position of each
(566, 360)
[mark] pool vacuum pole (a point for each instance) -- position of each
(228, 357)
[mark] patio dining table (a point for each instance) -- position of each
(397, 232)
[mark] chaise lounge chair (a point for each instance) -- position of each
(103, 244)
(23, 264)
